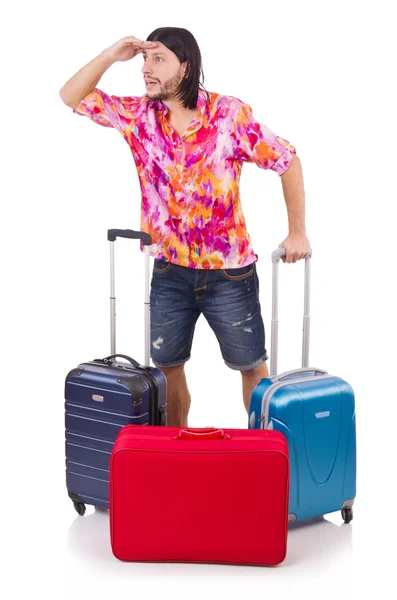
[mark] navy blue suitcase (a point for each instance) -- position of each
(104, 395)
(316, 413)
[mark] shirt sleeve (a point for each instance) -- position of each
(254, 142)
(108, 111)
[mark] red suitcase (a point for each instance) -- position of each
(199, 495)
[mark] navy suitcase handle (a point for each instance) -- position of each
(108, 360)
(145, 238)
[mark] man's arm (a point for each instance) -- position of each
(296, 243)
(85, 80)
(254, 142)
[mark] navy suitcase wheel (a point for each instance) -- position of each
(104, 395)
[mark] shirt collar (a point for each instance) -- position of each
(202, 102)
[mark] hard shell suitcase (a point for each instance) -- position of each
(316, 413)
(197, 486)
(102, 396)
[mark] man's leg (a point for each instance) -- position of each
(178, 396)
(232, 309)
(173, 316)
(251, 379)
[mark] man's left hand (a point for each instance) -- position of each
(297, 247)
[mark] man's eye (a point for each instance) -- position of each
(158, 58)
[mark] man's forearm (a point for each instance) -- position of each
(294, 195)
(85, 80)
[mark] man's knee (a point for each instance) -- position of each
(176, 382)
(259, 372)
(173, 372)
(178, 396)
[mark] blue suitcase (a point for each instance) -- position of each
(104, 395)
(316, 413)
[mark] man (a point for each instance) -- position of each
(189, 147)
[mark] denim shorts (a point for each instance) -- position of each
(228, 299)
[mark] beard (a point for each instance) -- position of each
(167, 90)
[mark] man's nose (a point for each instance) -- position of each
(146, 69)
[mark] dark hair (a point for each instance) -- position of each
(182, 43)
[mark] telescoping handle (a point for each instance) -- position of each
(276, 256)
(146, 239)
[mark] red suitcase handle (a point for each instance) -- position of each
(202, 434)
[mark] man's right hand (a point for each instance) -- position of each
(127, 48)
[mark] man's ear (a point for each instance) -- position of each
(186, 71)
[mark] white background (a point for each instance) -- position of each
(320, 75)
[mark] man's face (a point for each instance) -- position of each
(162, 72)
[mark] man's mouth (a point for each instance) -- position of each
(149, 84)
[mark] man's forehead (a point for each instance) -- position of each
(159, 49)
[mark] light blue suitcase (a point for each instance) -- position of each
(316, 413)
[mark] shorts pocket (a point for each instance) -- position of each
(241, 273)
(161, 266)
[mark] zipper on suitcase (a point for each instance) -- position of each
(154, 417)
(156, 413)
(267, 396)
(240, 439)
(154, 409)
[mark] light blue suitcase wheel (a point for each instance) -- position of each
(347, 514)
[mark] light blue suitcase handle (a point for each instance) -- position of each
(297, 372)
(276, 256)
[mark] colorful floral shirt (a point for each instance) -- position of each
(190, 185)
